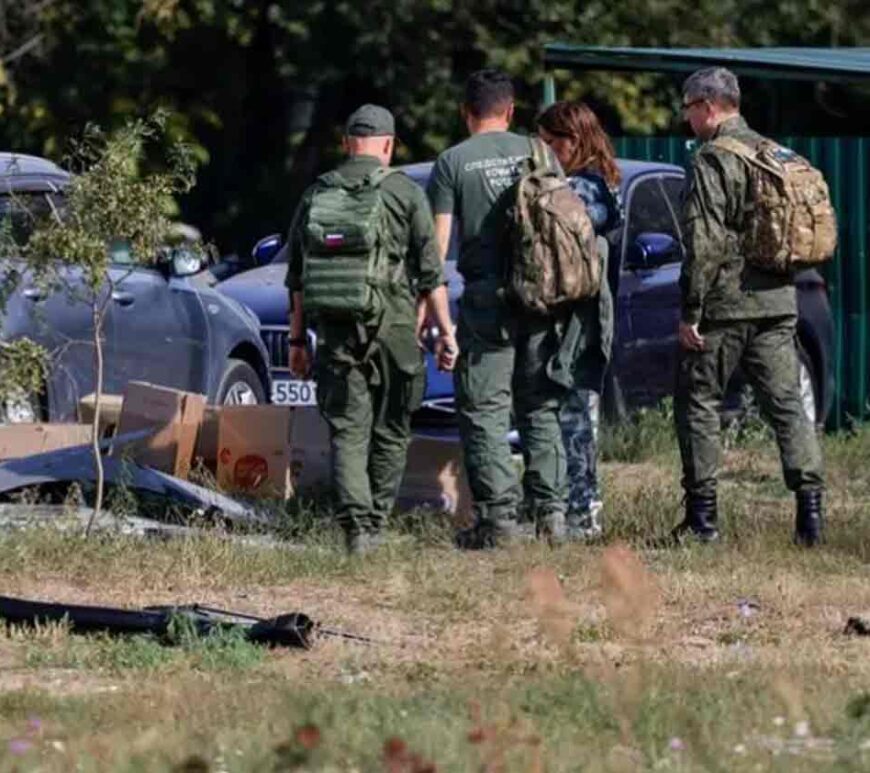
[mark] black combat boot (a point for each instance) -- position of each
(809, 522)
(700, 520)
(491, 533)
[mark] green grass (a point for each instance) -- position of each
(639, 660)
(55, 647)
(650, 718)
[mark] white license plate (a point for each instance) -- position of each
(294, 393)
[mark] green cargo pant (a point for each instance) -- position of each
(368, 407)
(502, 365)
(766, 351)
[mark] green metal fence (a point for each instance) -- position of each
(845, 162)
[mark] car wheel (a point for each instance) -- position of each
(240, 385)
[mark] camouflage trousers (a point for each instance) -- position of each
(578, 418)
(766, 352)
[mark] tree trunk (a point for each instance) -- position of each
(99, 315)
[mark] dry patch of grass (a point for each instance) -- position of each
(612, 657)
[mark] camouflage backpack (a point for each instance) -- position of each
(345, 260)
(791, 222)
(554, 256)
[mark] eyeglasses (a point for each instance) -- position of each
(687, 105)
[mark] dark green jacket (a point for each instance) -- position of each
(717, 283)
(411, 232)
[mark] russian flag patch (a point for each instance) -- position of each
(333, 240)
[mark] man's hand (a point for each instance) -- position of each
(690, 339)
(422, 323)
(446, 352)
(299, 361)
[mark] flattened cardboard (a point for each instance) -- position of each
(178, 416)
(254, 449)
(20, 440)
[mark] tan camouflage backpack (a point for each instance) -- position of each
(792, 223)
(554, 255)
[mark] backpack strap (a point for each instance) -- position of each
(376, 177)
(540, 157)
(735, 146)
(331, 180)
(744, 150)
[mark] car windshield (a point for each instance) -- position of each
(20, 212)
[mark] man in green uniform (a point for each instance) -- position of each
(370, 371)
(504, 350)
(734, 314)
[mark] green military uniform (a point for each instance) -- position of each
(504, 351)
(371, 377)
(747, 317)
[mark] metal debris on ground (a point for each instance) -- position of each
(746, 608)
(64, 518)
(294, 629)
(858, 626)
(76, 464)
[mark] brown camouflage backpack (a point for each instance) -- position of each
(554, 255)
(792, 223)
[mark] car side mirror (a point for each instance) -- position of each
(266, 249)
(650, 250)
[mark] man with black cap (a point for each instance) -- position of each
(363, 260)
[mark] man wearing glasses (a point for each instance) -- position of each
(734, 314)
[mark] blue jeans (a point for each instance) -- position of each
(578, 418)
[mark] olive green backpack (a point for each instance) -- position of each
(790, 222)
(346, 266)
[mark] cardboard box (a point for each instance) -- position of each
(254, 450)
(434, 473)
(435, 477)
(20, 440)
(110, 412)
(177, 416)
(310, 462)
(207, 440)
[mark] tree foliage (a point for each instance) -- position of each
(260, 87)
(109, 201)
(109, 206)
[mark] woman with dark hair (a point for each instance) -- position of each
(575, 135)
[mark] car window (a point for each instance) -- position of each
(120, 252)
(20, 212)
(649, 211)
(674, 188)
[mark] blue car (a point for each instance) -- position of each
(164, 324)
(645, 256)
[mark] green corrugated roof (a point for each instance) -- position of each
(792, 63)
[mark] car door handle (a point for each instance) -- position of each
(33, 293)
(122, 298)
